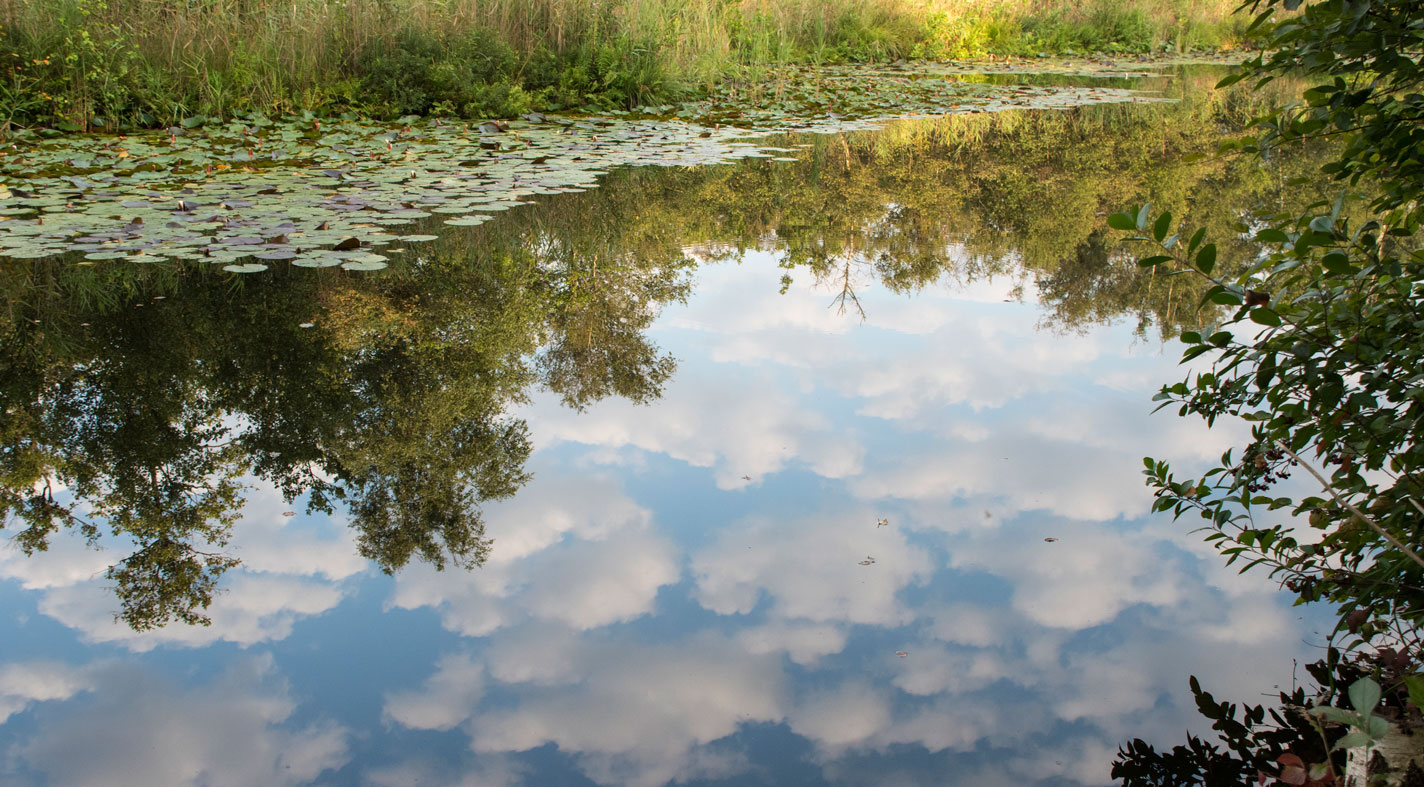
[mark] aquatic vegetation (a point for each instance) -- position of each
(245, 194)
(123, 64)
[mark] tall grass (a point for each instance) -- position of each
(108, 63)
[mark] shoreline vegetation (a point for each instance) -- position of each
(108, 65)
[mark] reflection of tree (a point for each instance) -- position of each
(148, 392)
(1014, 194)
(134, 399)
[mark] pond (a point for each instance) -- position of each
(812, 457)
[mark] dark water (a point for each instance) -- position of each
(812, 472)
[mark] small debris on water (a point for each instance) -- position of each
(902, 654)
(1050, 539)
(867, 561)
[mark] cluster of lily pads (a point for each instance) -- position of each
(246, 194)
(806, 98)
(1092, 66)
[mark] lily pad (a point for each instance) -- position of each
(250, 267)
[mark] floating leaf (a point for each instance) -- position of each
(353, 265)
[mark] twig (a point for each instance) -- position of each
(1357, 512)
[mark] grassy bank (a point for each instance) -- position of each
(122, 63)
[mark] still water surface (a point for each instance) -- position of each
(822, 471)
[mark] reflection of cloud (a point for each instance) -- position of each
(844, 716)
(584, 584)
(596, 583)
(539, 653)
(267, 541)
(1084, 579)
(291, 567)
(738, 424)
(929, 670)
(809, 568)
(983, 362)
(23, 684)
(1075, 459)
(804, 643)
(967, 624)
(67, 561)
(444, 701)
(549, 509)
(488, 770)
(139, 729)
(252, 608)
(642, 715)
(1025, 474)
(959, 724)
(591, 560)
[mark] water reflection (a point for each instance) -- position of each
(137, 399)
(683, 572)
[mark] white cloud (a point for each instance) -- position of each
(22, 684)
(929, 669)
(489, 770)
(809, 568)
(968, 624)
(537, 652)
(292, 567)
(555, 506)
(597, 583)
(592, 559)
(1084, 579)
(233, 732)
(846, 715)
(739, 424)
(251, 608)
(266, 540)
(642, 715)
(804, 643)
(444, 700)
(69, 560)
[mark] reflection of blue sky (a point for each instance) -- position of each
(678, 594)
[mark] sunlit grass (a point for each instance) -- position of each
(150, 62)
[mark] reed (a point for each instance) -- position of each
(123, 63)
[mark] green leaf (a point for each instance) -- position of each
(1196, 240)
(1338, 263)
(1352, 740)
(1206, 258)
(1415, 684)
(1265, 316)
(1365, 695)
(1378, 727)
(1337, 715)
(1232, 79)
(1121, 221)
(1148, 262)
(1162, 226)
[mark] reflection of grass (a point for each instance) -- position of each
(141, 62)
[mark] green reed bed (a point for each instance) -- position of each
(108, 64)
